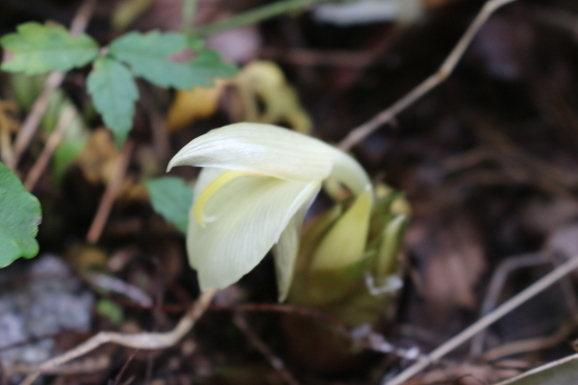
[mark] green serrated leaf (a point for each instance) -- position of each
(37, 48)
(20, 216)
(207, 66)
(171, 198)
(149, 56)
(114, 93)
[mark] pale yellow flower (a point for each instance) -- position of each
(256, 185)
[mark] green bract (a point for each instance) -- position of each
(252, 194)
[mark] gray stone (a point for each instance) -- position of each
(50, 301)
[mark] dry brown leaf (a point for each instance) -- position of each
(100, 158)
(452, 261)
(87, 257)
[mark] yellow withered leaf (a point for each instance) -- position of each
(198, 103)
(263, 81)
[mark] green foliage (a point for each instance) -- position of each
(149, 56)
(152, 56)
(171, 198)
(110, 310)
(37, 48)
(20, 216)
(207, 66)
(114, 93)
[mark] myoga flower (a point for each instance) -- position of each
(256, 185)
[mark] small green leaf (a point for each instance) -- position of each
(207, 66)
(171, 198)
(37, 48)
(114, 93)
(20, 216)
(110, 310)
(149, 56)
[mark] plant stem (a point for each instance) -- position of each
(253, 16)
(53, 81)
(360, 132)
(188, 17)
(53, 141)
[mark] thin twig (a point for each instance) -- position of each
(303, 311)
(149, 341)
(53, 141)
(538, 169)
(124, 367)
(158, 126)
(262, 347)
(539, 369)
(530, 344)
(536, 288)
(447, 67)
(5, 147)
(325, 58)
(118, 286)
(30, 125)
(110, 194)
(53, 81)
(88, 365)
(255, 15)
(6, 127)
(188, 16)
(80, 21)
(496, 285)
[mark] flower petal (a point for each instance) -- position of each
(259, 148)
(250, 215)
(349, 172)
(207, 192)
(344, 244)
(205, 178)
(285, 252)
